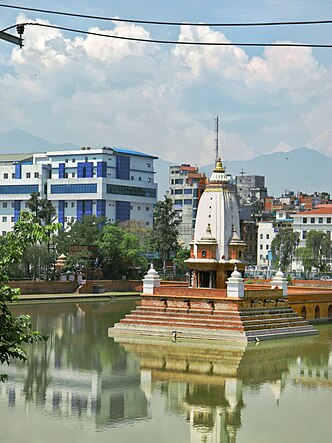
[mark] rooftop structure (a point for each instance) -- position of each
(111, 182)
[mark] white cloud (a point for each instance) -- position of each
(90, 90)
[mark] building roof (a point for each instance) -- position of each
(13, 158)
(320, 209)
(130, 152)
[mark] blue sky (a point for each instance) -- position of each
(163, 99)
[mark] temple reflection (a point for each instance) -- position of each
(206, 381)
(83, 376)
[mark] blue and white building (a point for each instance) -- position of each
(112, 182)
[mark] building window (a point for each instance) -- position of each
(5, 175)
(267, 236)
(72, 204)
(147, 223)
(4, 204)
(304, 235)
(83, 188)
(139, 179)
(187, 201)
(66, 204)
(305, 219)
(4, 219)
(13, 175)
(131, 190)
(178, 191)
(188, 191)
(66, 160)
(18, 189)
(148, 165)
(73, 175)
(73, 160)
(147, 208)
(260, 246)
(178, 181)
(138, 208)
(36, 174)
(13, 219)
(267, 247)
(4, 232)
(177, 202)
(132, 177)
(28, 175)
(320, 220)
(328, 220)
(312, 220)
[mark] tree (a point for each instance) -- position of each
(179, 261)
(121, 253)
(85, 232)
(164, 236)
(41, 208)
(16, 331)
(283, 247)
(317, 251)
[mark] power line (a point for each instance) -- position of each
(163, 23)
(174, 42)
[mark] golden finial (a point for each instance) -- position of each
(219, 167)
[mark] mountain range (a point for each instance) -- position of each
(301, 169)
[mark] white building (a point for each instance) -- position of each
(319, 219)
(111, 182)
(267, 230)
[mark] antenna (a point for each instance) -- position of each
(217, 139)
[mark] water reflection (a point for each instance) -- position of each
(82, 375)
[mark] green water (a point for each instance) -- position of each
(83, 386)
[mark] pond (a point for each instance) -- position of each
(82, 386)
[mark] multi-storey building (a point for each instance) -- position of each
(111, 182)
(319, 219)
(250, 188)
(248, 231)
(186, 185)
(267, 230)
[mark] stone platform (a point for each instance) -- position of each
(211, 314)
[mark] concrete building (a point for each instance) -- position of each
(248, 230)
(267, 230)
(250, 188)
(319, 219)
(186, 185)
(111, 182)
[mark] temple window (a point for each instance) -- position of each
(203, 254)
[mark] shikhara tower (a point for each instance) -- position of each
(216, 246)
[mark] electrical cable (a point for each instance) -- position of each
(174, 42)
(164, 23)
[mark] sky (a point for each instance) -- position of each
(163, 99)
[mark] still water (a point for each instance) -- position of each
(85, 387)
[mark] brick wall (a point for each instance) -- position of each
(44, 287)
(112, 286)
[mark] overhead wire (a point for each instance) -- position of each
(175, 42)
(165, 23)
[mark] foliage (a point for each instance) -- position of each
(79, 260)
(16, 331)
(85, 232)
(283, 247)
(179, 261)
(135, 227)
(303, 254)
(121, 253)
(41, 208)
(164, 236)
(317, 251)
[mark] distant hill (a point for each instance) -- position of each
(17, 141)
(302, 169)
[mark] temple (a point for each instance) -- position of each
(216, 305)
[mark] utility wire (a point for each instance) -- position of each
(152, 22)
(174, 42)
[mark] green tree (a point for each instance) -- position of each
(283, 248)
(164, 235)
(121, 253)
(304, 256)
(41, 208)
(16, 331)
(317, 251)
(179, 261)
(85, 232)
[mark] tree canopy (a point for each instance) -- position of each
(283, 247)
(317, 251)
(16, 331)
